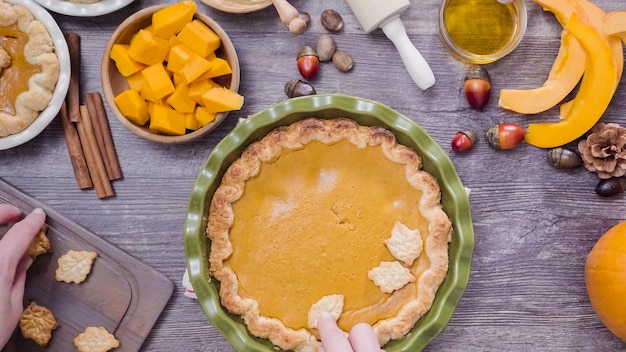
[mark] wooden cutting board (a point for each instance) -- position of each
(121, 293)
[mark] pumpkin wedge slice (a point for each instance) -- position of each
(615, 24)
(594, 94)
(565, 74)
(598, 18)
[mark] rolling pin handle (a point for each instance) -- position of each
(289, 16)
(416, 65)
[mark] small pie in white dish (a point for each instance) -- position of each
(30, 68)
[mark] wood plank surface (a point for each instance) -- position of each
(534, 225)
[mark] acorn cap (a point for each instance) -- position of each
(477, 72)
(471, 134)
(307, 51)
(491, 136)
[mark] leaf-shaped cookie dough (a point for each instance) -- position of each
(404, 244)
(332, 304)
(390, 276)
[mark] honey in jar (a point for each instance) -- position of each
(482, 31)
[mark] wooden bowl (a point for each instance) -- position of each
(113, 83)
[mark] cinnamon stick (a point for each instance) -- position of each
(75, 150)
(73, 92)
(100, 120)
(91, 108)
(97, 171)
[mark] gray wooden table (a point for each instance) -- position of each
(534, 225)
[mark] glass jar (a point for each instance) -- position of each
(482, 31)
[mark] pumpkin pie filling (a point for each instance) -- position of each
(306, 213)
(346, 200)
(14, 78)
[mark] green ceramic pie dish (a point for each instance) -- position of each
(365, 112)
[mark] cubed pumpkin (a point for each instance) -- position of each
(136, 81)
(166, 120)
(199, 37)
(204, 116)
(124, 63)
(148, 49)
(171, 19)
(199, 87)
(132, 106)
(180, 100)
(178, 56)
(220, 99)
(194, 68)
(158, 79)
(191, 123)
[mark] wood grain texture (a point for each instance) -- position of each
(534, 225)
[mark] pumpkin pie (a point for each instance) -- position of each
(327, 215)
(29, 68)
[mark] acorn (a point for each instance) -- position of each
(611, 186)
(563, 158)
(477, 87)
(297, 88)
(308, 62)
(505, 135)
(464, 140)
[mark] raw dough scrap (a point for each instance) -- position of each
(390, 276)
(404, 244)
(332, 304)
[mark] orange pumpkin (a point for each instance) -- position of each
(605, 275)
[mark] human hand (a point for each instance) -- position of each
(14, 264)
(362, 337)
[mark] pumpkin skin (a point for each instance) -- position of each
(605, 276)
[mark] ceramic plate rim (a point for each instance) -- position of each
(237, 7)
(101, 7)
(60, 90)
(454, 200)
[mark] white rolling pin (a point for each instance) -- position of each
(385, 14)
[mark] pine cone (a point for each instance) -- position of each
(604, 150)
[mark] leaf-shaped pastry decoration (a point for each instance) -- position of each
(404, 244)
(390, 276)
